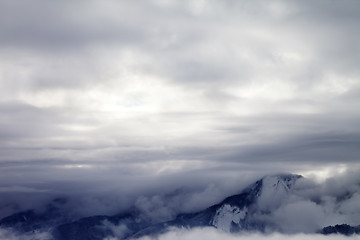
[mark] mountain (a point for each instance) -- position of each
(31, 220)
(344, 229)
(99, 227)
(236, 213)
(233, 214)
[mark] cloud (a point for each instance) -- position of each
(211, 233)
(312, 206)
(301, 216)
(118, 230)
(12, 235)
(155, 208)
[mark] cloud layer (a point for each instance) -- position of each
(210, 233)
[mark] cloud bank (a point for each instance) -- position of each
(210, 233)
(184, 234)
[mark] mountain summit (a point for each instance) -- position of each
(235, 213)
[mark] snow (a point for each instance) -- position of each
(227, 214)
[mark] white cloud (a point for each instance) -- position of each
(300, 216)
(213, 234)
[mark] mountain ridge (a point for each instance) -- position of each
(233, 214)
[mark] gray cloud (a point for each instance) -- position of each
(11, 235)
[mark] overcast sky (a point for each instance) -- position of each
(131, 97)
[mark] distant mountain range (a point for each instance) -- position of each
(234, 214)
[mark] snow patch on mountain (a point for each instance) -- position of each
(226, 215)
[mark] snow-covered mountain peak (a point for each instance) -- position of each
(264, 195)
(282, 182)
(274, 189)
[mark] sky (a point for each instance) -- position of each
(115, 102)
